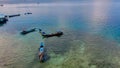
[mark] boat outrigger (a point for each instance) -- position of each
(15, 15)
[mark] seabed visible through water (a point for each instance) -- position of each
(90, 40)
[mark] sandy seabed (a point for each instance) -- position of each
(72, 50)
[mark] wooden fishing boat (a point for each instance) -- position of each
(58, 34)
(3, 19)
(27, 31)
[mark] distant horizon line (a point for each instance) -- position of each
(57, 3)
(54, 2)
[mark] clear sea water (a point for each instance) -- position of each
(91, 34)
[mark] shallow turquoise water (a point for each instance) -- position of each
(95, 26)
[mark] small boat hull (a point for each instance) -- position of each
(3, 20)
(26, 32)
(58, 34)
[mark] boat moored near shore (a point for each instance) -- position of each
(3, 19)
